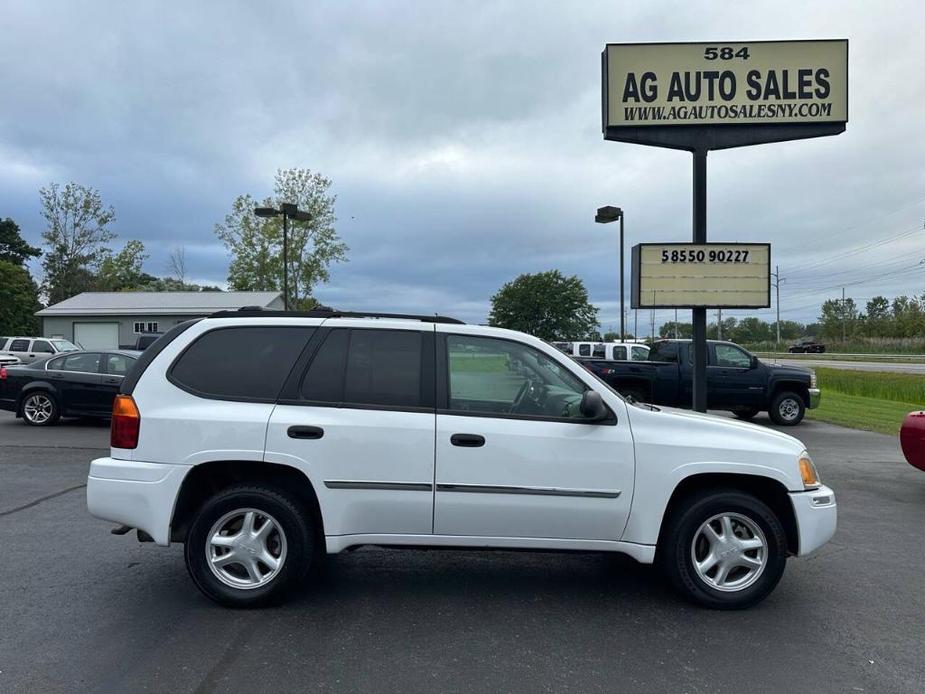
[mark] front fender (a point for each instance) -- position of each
(650, 502)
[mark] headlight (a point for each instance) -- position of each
(808, 472)
(812, 379)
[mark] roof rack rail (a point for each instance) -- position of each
(325, 312)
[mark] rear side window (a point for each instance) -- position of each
(384, 368)
(242, 363)
(368, 367)
(599, 352)
(85, 362)
(664, 351)
(19, 346)
(584, 350)
(619, 353)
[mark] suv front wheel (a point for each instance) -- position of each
(248, 546)
(726, 550)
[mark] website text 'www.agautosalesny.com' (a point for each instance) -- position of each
(727, 112)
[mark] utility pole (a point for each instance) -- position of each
(636, 323)
(777, 280)
(719, 324)
(844, 317)
(676, 324)
(653, 324)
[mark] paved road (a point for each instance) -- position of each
(853, 365)
(83, 610)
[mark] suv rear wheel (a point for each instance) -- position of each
(248, 546)
(726, 550)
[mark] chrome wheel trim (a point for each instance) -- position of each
(246, 548)
(729, 552)
(37, 408)
(789, 409)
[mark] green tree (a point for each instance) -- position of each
(878, 317)
(20, 300)
(122, 271)
(547, 305)
(256, 244)
(76, 233)
(838, 318)
(13, 248)
(684, 330)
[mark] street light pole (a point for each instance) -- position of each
(622, 310)
(285, 261)
(286, 210)
(605, 215)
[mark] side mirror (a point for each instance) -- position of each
(754, 364)
(592, 406)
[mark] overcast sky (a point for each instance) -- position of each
(463, 139)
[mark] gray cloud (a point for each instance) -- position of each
(463, 138)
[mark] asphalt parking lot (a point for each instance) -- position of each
(84, 610)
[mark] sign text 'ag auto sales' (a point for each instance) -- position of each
(762, 82)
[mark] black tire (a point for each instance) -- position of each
(34, 397)
(683, 524)
(787, 409)
(745, 415)
(296, 538)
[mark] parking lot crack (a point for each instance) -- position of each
(36, 502)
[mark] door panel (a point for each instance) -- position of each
(533, 479)
(515, 456)
(731, 382)
(79, 382)
(373, 470)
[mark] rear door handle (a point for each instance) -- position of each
(305, 432)
(114, 379)
(467, 440)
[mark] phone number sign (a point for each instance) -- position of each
(701, 275)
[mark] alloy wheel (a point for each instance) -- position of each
(38, 408)
(729, 552)
(246, 548)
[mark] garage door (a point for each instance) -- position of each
(97, 335)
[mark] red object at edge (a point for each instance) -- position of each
(912, 439)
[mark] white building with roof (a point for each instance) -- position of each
(111, 320)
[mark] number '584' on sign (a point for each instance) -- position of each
(725, 53)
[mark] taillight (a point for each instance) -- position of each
(2, 373)
(126, 421)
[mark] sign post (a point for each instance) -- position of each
(705, 96)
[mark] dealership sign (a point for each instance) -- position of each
(693, 275)
(748, 83)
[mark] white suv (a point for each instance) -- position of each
(262, 440)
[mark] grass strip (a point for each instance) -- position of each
(880, 385)
(858, 412)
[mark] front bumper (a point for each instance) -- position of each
(140, 495)
(816, 514)
(815, 395)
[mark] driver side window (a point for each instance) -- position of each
(493, 376)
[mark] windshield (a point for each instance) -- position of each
(65, 346)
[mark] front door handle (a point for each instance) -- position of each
(305, 432)
(467, 440)
(114, 379)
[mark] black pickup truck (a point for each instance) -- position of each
(736, 381)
